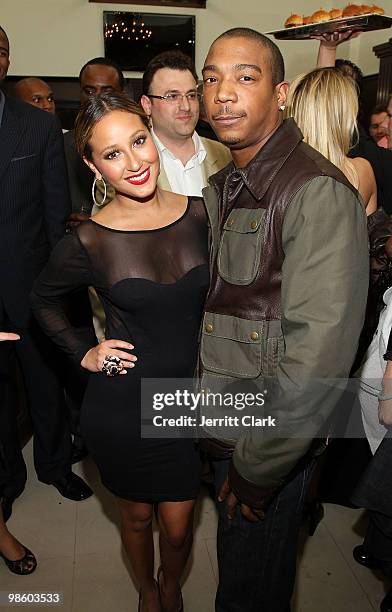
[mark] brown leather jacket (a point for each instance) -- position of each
(289, 263)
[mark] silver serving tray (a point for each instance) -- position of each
(361, 23)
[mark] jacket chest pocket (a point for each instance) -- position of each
(231, 346)
(240, 247)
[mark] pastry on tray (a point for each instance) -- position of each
(336, 13)
(294, 21)
(352, 10)
(320, 16)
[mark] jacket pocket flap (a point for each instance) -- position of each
(233, 328)
(231, 345)
(244, 220)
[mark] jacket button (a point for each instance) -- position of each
(230, 222)
(253, 225)
(254, 336)
(209, 328)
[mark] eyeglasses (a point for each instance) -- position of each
(175, 98)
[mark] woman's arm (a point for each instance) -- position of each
(68, 270)
(328, 44)
(367, 183)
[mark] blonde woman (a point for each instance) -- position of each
(324, 104)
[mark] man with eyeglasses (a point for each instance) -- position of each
(171, 99)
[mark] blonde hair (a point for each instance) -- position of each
(324, 104)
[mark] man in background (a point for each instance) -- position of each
(34, 208)
(171, 99)
(36, 92)
(97, 76)
(376, 125)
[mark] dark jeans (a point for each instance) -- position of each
(378, 539)
(257, 561)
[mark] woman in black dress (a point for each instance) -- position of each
(146, 255)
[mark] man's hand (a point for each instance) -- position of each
(8, 336)
(226, 494)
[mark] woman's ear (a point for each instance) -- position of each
(93, 168)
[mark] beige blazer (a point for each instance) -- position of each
(218, 156)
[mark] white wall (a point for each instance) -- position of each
(56, 37)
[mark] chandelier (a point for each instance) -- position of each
(131, 28)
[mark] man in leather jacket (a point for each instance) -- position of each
(289, 279)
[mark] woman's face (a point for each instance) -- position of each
(124, 153)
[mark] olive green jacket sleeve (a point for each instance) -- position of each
(324, 292)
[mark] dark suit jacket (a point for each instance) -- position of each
(80, 176)
(381, 161)
(34, 201)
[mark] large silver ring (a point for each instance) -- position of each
(112, 365)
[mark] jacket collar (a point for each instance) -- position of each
(262, 169)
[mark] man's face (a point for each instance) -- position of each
(241, 102)
(172, 121)
(376, 129)
(38, 93)
(4, 56)
(98, 79)
(386, 124)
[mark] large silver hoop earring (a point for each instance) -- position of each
(99, 204)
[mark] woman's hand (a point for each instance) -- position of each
(94, 358)
(331, 40)
(8, 336)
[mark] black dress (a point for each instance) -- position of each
(152, 284)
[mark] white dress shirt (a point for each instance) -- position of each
(189, 179)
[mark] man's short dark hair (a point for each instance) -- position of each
(277, 62)
(175, 60)
(353, 70)
(103, 61)
(5, 34)
(379, 108)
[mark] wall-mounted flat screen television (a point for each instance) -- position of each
(133, 39)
